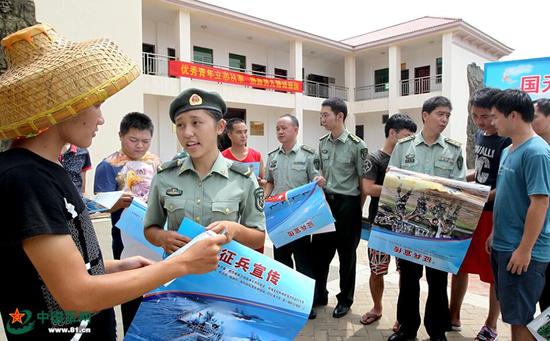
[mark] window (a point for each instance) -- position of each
(258, 70)
(203, 55)
(282, 73)
(237, 62)
(381, 79)
(438, 69)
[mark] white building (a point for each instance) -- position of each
(379, 73)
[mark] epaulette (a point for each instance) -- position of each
(169, 164)
(453, 142)
(308, 149)
(324, 136)
(405, 139)
(241, 169)
(354, 138)
(273, 151)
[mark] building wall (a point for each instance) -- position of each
(91, 19)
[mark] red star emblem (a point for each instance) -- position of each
(17, 316)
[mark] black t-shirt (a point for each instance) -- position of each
(488, 150)
(39, 198)
(375, 169)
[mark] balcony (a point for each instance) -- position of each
(421, 85)
(155, 64)
(407, 87)
(324, 90)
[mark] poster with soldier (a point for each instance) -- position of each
(427, 219)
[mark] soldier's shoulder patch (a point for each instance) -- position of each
(355, 138)
(324, 136)
(240, 169)
(406, 139)
(453, 142)
(259, 198)
(308, 149)
(169, 164)
(364, 153)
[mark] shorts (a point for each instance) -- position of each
(379, 262)
(517, 294)
(477, 260)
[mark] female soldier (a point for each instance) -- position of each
(205, 187)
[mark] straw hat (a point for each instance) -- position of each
(50, 79)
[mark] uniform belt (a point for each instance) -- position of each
(333, 196)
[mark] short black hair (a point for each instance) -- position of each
(437, 101)
(398, 122)
(515, 100)
(543, 105)
(337, 105)
(231, 123)
(293, 119)
(484, 98)
(136, 120)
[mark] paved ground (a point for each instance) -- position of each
(348, 328)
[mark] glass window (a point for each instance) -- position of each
(203, 55)
(237, 62)
(381, 79)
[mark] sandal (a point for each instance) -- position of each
(369, 318)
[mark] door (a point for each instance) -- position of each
(404, 82)
(149, 61)
(422, 79)
(258, 70)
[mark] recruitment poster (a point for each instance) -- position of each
(427, 219)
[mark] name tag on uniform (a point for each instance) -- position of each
(409, 158)
(446, 159)
(174, 192)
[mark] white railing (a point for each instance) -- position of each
(420, 85)
(371, 92)
(324, 90)
(155, 64)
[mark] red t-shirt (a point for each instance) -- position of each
(252, 155)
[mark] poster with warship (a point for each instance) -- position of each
(249, 297)
(427, 219)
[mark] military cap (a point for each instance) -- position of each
(192, 99)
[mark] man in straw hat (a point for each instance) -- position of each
(51, 95)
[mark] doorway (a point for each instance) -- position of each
(422, 79)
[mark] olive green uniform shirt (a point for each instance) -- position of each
(443, 158)
(229, 192)
(291, 169)
(342, 162)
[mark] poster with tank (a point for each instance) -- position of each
(540, 326)
(427, 219)
(249, 297)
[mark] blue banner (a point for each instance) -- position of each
(296, 213)
(249, 297)
(254, 166)
(529, 75)
(426, 219)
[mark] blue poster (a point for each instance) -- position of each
(249, 297)
(296, 213)
(131, 222)
(426, 219)
(529, 75)
(254, 166)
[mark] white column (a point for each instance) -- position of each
(349, 82)
(184, 45)
(446, 54)
(394, 66)
(296, 62)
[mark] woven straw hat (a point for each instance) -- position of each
(50, 79)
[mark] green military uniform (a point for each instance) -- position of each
(443, 158)
(287, 170)
(228, 192)
(342, 162)
(292, 169)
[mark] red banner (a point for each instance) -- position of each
(209, 73)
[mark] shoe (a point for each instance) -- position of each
(486, 334)
(312, 314)
(341, 310)
(369, 318)
(454, 328)
(401, 336)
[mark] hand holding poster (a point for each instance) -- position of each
(249, 297)
(296, 213)
(102, 201)
(427, 219)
